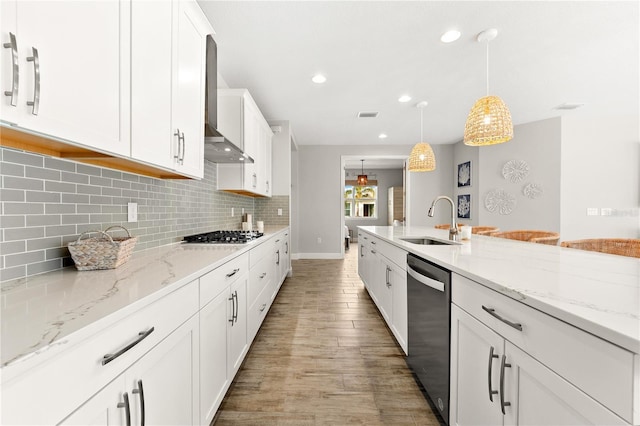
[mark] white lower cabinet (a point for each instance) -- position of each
(382, 268)
(223, 342)
(495, 383)
(159, 389)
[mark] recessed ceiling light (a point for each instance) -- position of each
(319, 78)
(450, 36)
(404, 98)
(382, 135)
(568, 106)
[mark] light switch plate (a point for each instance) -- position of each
(132, 212)
(606, 211)
(279, 212)
(593, 211)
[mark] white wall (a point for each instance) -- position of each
(320, 195)
(423, 187)
(537, 143)
(600, 162)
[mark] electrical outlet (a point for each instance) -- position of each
(606, 211)
(243, 210)
(593, 211)
(279, 212)
(231, 211)
(319, 240)
(132, 212)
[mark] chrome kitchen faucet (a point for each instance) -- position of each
(453, 230)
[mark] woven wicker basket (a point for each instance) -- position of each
(102, 252)
(619, 246)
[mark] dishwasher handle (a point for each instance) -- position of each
(434, 284)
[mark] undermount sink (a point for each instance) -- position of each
(426, 241)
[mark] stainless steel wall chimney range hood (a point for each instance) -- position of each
(217, 148)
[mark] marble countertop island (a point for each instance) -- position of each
(47, 311)
(596, 292)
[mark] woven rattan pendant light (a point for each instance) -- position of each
(422, 158)
(489, 121)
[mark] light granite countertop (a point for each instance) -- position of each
(598, 293)
(43, 312)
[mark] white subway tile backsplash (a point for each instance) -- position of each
(12, 182)
(20, 157)
(23, 258)
(75, 198)
(41, 196)
(12, 195)
(23, 208)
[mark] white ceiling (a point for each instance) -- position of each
(546, 53)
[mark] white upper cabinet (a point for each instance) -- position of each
(65, 65)
(168, 83)
(240, 120)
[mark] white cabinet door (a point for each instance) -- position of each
(538, 396)
(78, 78)
(189, 85)
(399, 318)
(164, 383)
(475, 365)
(10, 64)
(384, 288)
(168, 75)
(106, 408)
(237, 330)
(214, 379)
(152, 139)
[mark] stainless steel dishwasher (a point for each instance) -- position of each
(429, 307)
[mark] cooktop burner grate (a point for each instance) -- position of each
(223, 237)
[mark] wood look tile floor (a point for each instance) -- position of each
(324, 356)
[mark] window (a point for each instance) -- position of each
(360, 201)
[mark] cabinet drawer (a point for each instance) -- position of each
(63, 383)
(257, 313)
(220, 278)
(260, 277)
(263, 250)
(600, 369)
(391, 252)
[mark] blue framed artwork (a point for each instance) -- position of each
(464, 174)
(464, 206)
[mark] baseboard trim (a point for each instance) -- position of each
(299, 256)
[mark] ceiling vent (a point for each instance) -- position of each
(368, 114)
(568, 106)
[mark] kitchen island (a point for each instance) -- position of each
(574, 306)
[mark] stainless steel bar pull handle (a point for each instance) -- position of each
(140, 390)
(387, 277)
(235, 271)
(492, 312)
(263, 307)
(235, 315)
(233, 309)
(15, 67)
(35, 104)
(141, 336)
(255, 180)
(278, 257)
(286, 244)
(179, 157)
(361, 250)
(503, 365)
(126, 406)
(491, 357)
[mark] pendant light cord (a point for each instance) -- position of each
(487, 68)
(421, 130)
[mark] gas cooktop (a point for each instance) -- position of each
(223, 237)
